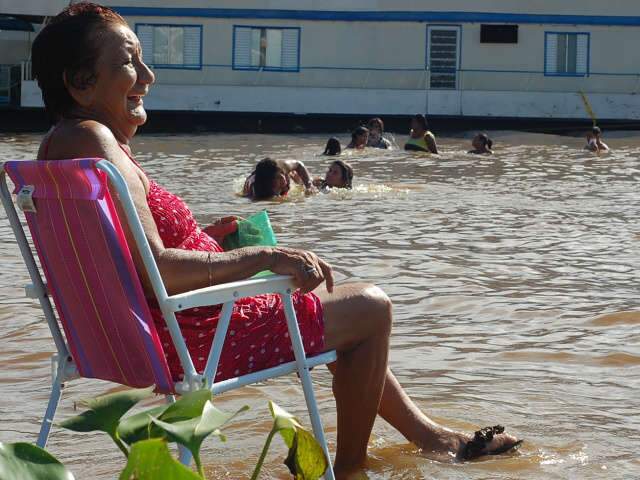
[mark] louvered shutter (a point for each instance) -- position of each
(145, 35)
(582, 54)
(290, 49)
(551, 57)
(192, 47)
(242, 47)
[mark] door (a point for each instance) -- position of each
(443, 62)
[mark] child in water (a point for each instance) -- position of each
(594, 142)
(339, 175)
(481, 144)
(359, 138)
(421, 139)
(376, 131)
(272, 178)
(333, 147)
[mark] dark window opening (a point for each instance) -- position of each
(498, 33)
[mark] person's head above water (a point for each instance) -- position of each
(333, 147)
(596, 132)
(482, 143)
(73, 59)
(359, 137)
(270, 180)
(339, 175)
(419, 125)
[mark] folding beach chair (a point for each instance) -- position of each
(109, 333)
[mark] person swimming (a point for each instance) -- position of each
(421, 139)
(333, 147)
(359, 138)
(594, 141)
(272, 178)
(376, 131)
(339, 175)
(481, 144)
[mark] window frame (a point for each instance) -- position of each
(265, 68)
(587, 71)
(174, 66)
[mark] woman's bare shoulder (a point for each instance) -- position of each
(86, 138)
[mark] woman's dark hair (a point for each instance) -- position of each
(357, 132)
(333, 147)
(347, 172)
(596, 131)
(376, 122)
(69, 46)
(265, 173)
(418, 117)
(486, 140)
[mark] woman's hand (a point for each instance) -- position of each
(308, 270)
(222, 227)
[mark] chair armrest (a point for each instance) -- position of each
(226, 292)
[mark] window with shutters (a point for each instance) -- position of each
(171, 46)
(566, 54)
(266, 48)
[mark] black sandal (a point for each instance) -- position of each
(477, 446)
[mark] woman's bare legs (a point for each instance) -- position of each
(357, 325)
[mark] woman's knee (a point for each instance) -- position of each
(379, 307)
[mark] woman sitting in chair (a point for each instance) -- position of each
(88, 63)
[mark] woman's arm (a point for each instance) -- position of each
(299, 168)
(431, 142)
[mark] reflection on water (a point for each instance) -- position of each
(514, 279)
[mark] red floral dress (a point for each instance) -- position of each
(258, 337)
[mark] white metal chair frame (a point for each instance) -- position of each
(63, 365)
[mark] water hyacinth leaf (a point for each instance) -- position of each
(105, 411)
(306, 459)
(191, 433)
(151, 460)
(26, 461)
(138, 427)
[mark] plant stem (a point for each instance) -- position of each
(121, 445)
(263, 455)
(196, 458)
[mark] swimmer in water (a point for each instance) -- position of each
(594, 142)
(272, 178)
(481, 144)
(359, 138)
(421, 139)
(376, 131)
(333, 147)
(339, 175)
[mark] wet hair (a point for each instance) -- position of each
(358, 131)
(486, 140)
(418, 117)
(375, 122)
(69, 46)
(347, 172)
(333, 147)
(265, 173)
(596, 131)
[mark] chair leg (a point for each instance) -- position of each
(316, 422)
(47, 421)
(183, 453)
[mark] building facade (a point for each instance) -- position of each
(389, 57)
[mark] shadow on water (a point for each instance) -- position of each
(514, 280)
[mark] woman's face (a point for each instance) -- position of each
(362, 139)
(333, 178)
(122, 79)
(477, 143)
(375, 132)
(281, 183)
(416, 128)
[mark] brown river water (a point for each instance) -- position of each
(514, 279)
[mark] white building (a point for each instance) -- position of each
(508, 58)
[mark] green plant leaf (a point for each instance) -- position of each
(151, 460)
(105, 411)
(26, 461)
(191, 433)
(134, 428)
(139, 426)
(306, 459)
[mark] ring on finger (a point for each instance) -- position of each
(310, 270)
